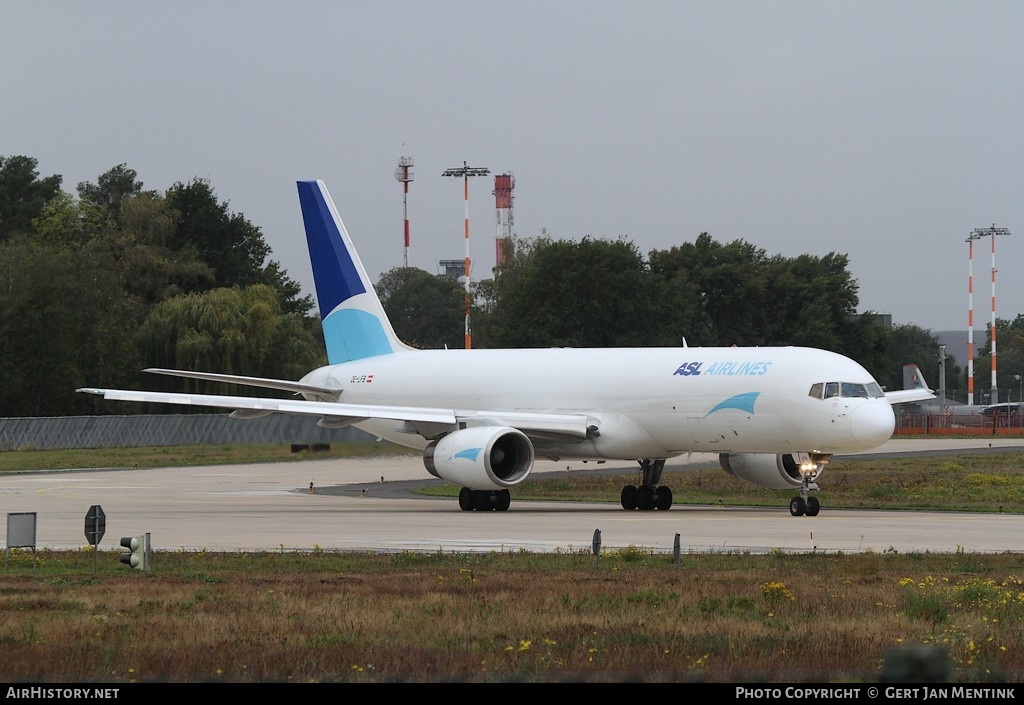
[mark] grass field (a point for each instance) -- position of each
(513, 617)
(631, 615)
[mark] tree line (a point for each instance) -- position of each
(97, 286)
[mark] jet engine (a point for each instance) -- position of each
(777, 472)
(481, 458)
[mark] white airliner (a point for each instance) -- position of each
(775, 415)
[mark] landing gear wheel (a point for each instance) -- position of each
(466, 499)
(813, 506)
(645, 497)
(663, 497)
(483, 501)
(797, 506)
(502, 500)
(628, 497)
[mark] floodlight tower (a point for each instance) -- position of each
(403, 174)
(465, 172)
(978, 233)
(504, 184)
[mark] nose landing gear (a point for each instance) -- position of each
(804, 503)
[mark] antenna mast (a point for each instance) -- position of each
(403, 174)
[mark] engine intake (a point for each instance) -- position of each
(481, 458)
(776, 472)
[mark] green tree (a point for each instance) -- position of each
(64, 323)
(111, 189)
(867, 340)
(586, 293)
(426, 310)
(228, 243)
(149, 269)
(22, 194)
(236, 330)
(65, 222)
(139, 258)
(734, 294)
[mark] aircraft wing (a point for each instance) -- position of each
(904, 395)
(336, 414)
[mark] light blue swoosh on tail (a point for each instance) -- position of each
(351, 334)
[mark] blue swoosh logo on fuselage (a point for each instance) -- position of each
(743, 402)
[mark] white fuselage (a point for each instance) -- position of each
(645, 402)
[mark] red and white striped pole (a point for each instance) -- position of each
(403, 175)
(970, 320)
(465, 172)
(994, 398)
(977, 234)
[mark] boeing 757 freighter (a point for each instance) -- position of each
(482, 418)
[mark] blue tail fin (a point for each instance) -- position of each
(354, 323)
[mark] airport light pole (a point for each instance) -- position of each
(465, 172)
(991, 233)
(1020, 393)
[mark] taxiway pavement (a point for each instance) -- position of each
(268, 506)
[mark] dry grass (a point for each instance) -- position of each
(508, 617)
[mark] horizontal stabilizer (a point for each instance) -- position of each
(263, 382)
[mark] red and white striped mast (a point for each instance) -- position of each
(976, 234)
(404, 176)
(465, 172)
(504, 184)
(970, 317)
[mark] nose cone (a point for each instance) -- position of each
(873, 423)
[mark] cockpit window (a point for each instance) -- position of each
(849, 390)
(853, 390)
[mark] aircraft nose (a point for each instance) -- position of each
(874, 423)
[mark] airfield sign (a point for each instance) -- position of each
(95, 524)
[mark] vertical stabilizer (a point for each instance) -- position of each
(912, 377)
(354, 323)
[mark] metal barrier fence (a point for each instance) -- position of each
(914, 424)
(70, 432)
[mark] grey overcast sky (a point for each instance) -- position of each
(883, 130)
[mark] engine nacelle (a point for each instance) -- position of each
(481, 458)
(776, 472)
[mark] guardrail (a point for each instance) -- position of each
(908, 424)
(72, 432)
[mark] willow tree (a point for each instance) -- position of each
(236, 330)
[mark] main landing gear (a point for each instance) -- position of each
(649, 495)
(804, 503)
(484, 500)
